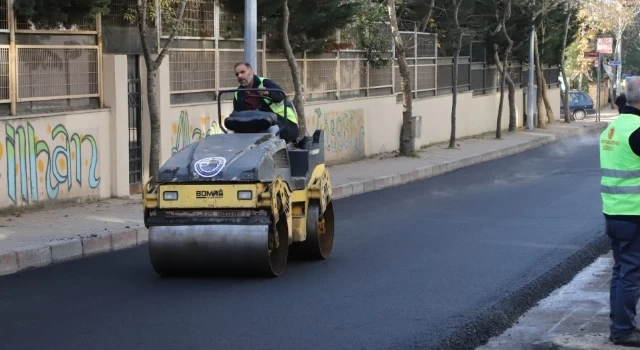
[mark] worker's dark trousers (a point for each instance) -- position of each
(289, 130)
(625, 279)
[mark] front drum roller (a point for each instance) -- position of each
(218, 249)
(320, 232)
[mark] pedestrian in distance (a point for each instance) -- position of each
(620, 192)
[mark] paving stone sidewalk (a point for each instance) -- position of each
(575, 316)
(40, 237)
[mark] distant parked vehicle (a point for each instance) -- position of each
(580, 104)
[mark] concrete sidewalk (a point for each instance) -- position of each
(575, 316)
(42, 237)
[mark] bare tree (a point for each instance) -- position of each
(565, 96)
(542, 111)
(502, 28)
(542, 82)
(298, 100)
(407, 136)
(539, 8)
(454, 79)
(152, 71)
(427, 18)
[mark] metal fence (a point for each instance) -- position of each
(341, 74)
(44, 64)
(61, 68)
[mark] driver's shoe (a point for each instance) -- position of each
(632, 340)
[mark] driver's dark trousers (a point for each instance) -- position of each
(625, 279)
(288, 130)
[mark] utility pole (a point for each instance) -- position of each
(531, 89)
(251, 33)
(598, 104)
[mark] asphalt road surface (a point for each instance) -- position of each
(410, 266)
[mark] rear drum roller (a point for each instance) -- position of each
(219, 249)
(320, 231)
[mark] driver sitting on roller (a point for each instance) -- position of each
(244, 73)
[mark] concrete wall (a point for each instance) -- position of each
(190, 123)
(45, 158)
(358, 128)
(86, 154)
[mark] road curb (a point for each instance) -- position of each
(503, 314)
(70, 249)
(584, 341)
(94, 244)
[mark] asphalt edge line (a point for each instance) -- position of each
(92, 244)
(503, 314)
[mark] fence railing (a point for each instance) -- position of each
(340, 75)
(55, 66)
(43, 63)
(198, 73)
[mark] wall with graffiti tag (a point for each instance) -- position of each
(53, 158)
(190, 124)
(344, 132)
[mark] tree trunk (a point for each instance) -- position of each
(545, 99)
(565, 97)
(298, 100)
(407, 145)
(454, 76)
(454, 104)
(152, 78)
(612, 97)
(542, 116)
(427, 19)
(512, 94)
(542, 87)
(502, 81)
(154, 119)
(512, 89)
(513, 123)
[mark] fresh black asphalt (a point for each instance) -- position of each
(444, 262)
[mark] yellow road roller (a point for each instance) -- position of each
(240, 202)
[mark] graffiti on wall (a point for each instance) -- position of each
(184, 133)
(38, 168)
(343, 132)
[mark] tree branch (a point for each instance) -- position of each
(181, 7)
(546, 6)
(142, 26)
(427, 18)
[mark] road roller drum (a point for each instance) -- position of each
(240, 202)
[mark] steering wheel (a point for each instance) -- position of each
(255, 105)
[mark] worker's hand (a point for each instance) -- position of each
(264, 92)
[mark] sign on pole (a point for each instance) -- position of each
(591, 54)
(614, 63)
(605, 45)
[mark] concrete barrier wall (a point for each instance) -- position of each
(86, 154)
(358, 128)
(50, 158)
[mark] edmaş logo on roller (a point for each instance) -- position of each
(209, 167)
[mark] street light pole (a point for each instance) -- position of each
(251, 33)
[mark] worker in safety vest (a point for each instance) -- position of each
(620, 191)
(249, 80)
